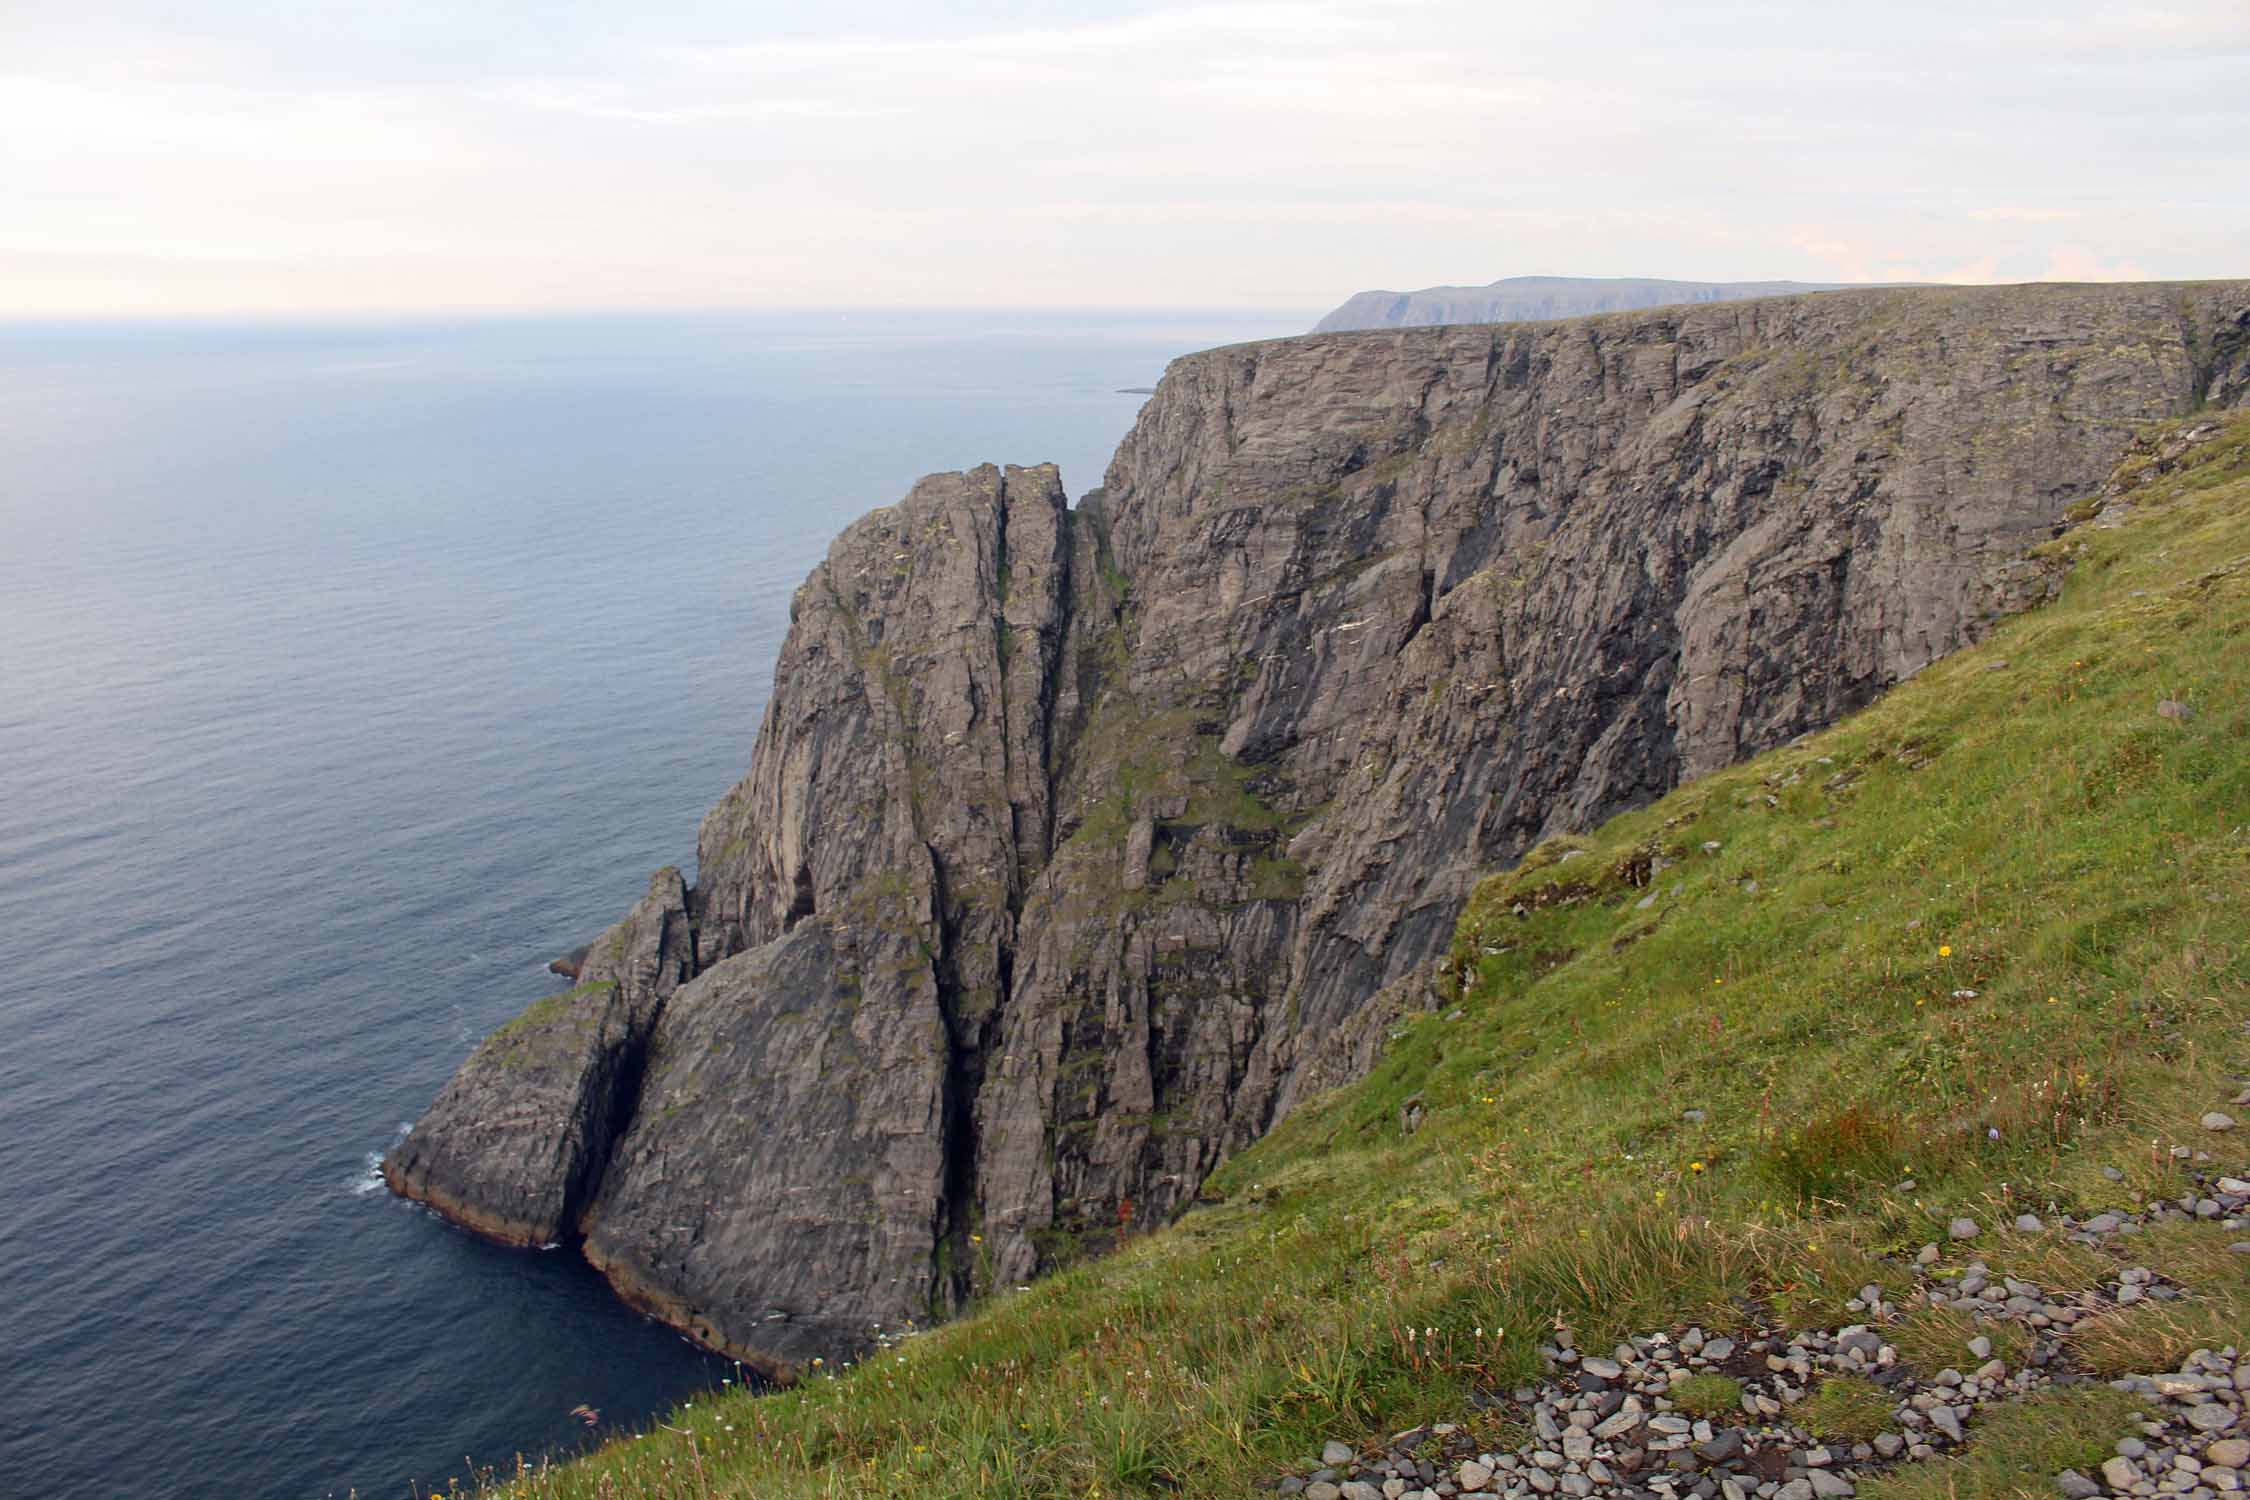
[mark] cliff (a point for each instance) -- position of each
(1517, 299)
(1079, 845)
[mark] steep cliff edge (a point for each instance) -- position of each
(1078, 845)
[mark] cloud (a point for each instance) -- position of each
(1247, 151)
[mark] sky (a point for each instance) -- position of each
(160, 158)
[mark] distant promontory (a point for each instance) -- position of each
(1532, 299)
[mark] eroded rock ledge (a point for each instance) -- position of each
(1078, 844)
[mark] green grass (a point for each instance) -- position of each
(1847, 1408)
(1708, 1395)
(2015, 1452)
(1931, 1339)
(2000, 939)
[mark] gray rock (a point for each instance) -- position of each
(1828, 1485)
(2228, 1453)
(907, 994)
(1333, 1452)
(2210, 1417)
(1472, 1476)
(1321, 1489)
(2217, 1121)
(2076, 1486)
(2029, 1224)
(1359, 1489)
(2120, 1474)
(1723, 1446)
(1963, 1228)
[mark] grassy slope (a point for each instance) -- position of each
(2032, 832)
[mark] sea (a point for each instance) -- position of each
(349, 672)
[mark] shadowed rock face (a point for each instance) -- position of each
(1078, 845)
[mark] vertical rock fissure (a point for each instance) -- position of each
(620, 1101)
(949, 1260)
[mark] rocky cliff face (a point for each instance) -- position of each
(1078, 844)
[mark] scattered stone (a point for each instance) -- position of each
(2216, 1121)
(1603, 1426)
(1964, 1228)
(2212, 1416)
(2174, 709)
(2029, 1224)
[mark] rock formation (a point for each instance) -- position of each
(1079, 844)
(1516, 299)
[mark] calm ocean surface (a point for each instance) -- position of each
(347, 674)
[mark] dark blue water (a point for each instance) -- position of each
(347, 675)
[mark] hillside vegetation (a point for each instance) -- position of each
(1723, 1061)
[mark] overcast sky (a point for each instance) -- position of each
(292, 155)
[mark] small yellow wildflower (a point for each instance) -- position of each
(1695, 1166)
(1944, 951)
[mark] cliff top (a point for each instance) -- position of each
(1524, 298)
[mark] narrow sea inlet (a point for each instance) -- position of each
(347, 675)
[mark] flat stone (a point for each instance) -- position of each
(2029, 1224)
(2076, 1486)
(2119, 1473)
(1829, 1486)
(2228, 1453)
(1333, 1452)
(1963, 1228)
(1607, 1369)
(2212, 1416)
(1360, 1490)
(1472, 1476)
(1723, 1447)
(2216, 1121)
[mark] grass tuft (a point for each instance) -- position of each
(1848, 1408)
(1710, 1396)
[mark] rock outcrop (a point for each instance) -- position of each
(1078, 845)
